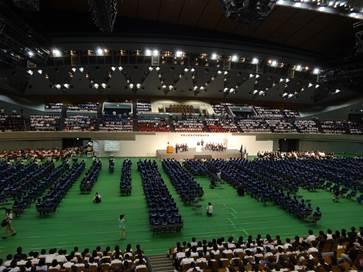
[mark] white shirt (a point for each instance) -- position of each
(186, 261)
(210, 209)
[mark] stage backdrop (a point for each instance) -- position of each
(146, 145)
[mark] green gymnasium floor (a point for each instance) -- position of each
(79, 222)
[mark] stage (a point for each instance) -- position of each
(203, 154)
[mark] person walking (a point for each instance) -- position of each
(210, 209)
(122, 226)
(7, 223)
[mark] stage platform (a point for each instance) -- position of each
(203, 154)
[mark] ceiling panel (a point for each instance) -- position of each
(191, 11)
(149, 10)
(170, 10)
(129, 8)
(211, 15)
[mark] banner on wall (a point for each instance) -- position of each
(111, 146)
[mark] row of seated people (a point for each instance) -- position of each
(176, 108)
(116, 123)
(253, 126)
(50, 201)
(195, 167)
(252, 178)
(341, 250)
(125, 180)
(80, 123)
(215, 147)
(39, 153)
(189, 125)
(281, 126)
(153, 125)
(91, 176)
(306, 126)
(54, 107)
(12, 122)
(294, 155)
(183, 182)
(181, 148)
(143, 107)
(44, 122)
(221, 125)
(269, 113)
(163, 214)
(59, 260)
(84, 107)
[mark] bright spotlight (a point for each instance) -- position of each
(113, 68)
(81, 69)
(99, 51)
(156, 53)
(316, 71)
(74, 69)
(337, 91)
(120, 68)
(56, 53)
(219, 72)
(131, 85)
(151, 68)
(148, 52)
(58, 86)
(298, 68)
(66, 85)
(255, 61)
(179, 54)
(186, 70)
(40, 71)
(96, 85)
(234, 58)
(104, 85)
(30, 54)
(192, 70)
(214, 56)
(138, 85)
(30, 72)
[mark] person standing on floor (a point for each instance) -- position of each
(210, 209)
(122, 226)
(7, 223)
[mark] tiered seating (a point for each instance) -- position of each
(254, 126)
(116, 123)
(97, 260)
(91, 177)
(195, 167)
(84, 107)
(333, 127)
(13, 122)
(44, 122)
(79, 122)
(154, 124)
(163, 213)
(177, 108)
(269, 113)
(125, 181)
(221, 125)
(290, 114)
(143, 107)
(183, 182)
(219, 109)
(189, 125)
(34, 184)
(306, 126)
(326, 251)
(281, 126)
(50, 201)
(355, 128)
(53, 107)
(40, 153)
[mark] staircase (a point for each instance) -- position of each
(160, 263)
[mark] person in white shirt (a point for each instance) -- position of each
(187, 259)
(311, 237)
(210, 209)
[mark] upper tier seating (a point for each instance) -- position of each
(221, 125)
(254, 126)
(116, 123)
(44, 122)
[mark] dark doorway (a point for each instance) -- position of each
(288, 145)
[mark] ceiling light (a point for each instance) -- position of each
(255, 91)
(251, 75)
(214, 56)
(179, 54)
(156, 53)
(186, 69)
(96, 85)
(298, 68)
(148, 52)
(316, 71)
(74, 69)
(131, 85)
(226, 72)
(201, 88)
(337, 91)
(234, 58)
(257, 76)
(231, 90)
(284, 94)
(104, 85)
(81, 69)
(310, 85)
(273, 63)
(195, 88)
(151, 68)
(120, 68)
(99, 51)
(113, 68)
(192, 70)
(164, 86)
(317, 86)
(66, 85)
(40, 71)
(138, 85)
(171, 87)
(219, 72)
(225, 90)
(157, 68)
(290, 95)
(56, 53)
(255, 61)
(30, 72)
(30, 53)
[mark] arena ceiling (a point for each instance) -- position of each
(319, 33)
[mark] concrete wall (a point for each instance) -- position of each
(334, 146)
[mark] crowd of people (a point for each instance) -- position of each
(215, 147)
(181, 148)
(98, 259)
(41, 153)
(44, 122)
(294, 155)
(341, 250)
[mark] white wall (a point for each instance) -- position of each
(146, 145)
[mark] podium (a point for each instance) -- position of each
(169, 149)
